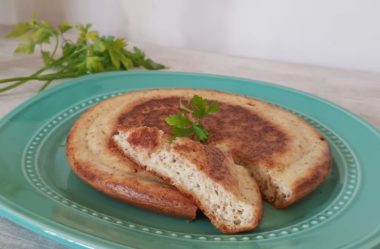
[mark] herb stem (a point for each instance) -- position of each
(26, 79)
(42, 77)
(21, 80)
(56, 46)
(32, 76)
(47, 77)
(47, 83)
(2, 81)
(184, 108)
(57, 76)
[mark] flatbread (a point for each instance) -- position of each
(287, 157)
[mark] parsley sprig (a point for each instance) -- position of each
(89, 53)
(187, 121)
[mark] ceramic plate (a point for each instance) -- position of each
(39, 191)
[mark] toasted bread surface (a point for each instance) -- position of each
(225, 192)
(93, 158)
(287, 156)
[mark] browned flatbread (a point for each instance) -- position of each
(287, 156)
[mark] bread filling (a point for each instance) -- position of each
(268, 187)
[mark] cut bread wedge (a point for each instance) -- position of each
(224, 191)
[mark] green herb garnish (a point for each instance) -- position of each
(89, 53)
(187, 121)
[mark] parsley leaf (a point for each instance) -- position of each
(214, 107)
(187, 121)
(180, 120)
(64, 27)
(199, 106)
(200, 132)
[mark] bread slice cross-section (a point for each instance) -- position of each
(224, 191)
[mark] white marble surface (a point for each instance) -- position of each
(357, 91)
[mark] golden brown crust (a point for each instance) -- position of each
(251, 137)
(211, 161)
(145, 137)
(256, 133)
(259, 135)
(208, 159)
(129, 190)
(119, 177)
(306, 184)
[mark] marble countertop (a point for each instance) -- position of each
(357, 91)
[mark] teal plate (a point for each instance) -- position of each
(39, 191)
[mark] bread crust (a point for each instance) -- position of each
(257, 134)
(218, 166)
(118, 177)
(272, 140)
